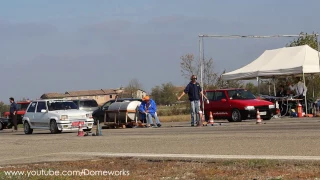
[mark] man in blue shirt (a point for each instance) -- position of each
(13, 114)
(148, 108)
(194, 91)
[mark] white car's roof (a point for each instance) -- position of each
(51, 100)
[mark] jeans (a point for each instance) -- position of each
(194, 110)
(150, 116)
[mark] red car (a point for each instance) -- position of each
(237, 105)
(22, 106)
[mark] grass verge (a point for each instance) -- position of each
(178, 118)
(134, 168)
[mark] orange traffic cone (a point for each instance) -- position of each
(259, 121)
(211, 121)
(80, 130)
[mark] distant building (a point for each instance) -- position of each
(139, 93)
(101, 95)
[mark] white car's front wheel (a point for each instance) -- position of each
(26, 127)
(54, 127)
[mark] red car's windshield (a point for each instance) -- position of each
(240, 94)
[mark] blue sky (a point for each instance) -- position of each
(60, 45)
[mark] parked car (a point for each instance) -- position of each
(237, 105)
(99, 113)
(3, 123)
(88, 105)
(55, 115)
(22, 106)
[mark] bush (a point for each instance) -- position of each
(173, 110)
(3, 108)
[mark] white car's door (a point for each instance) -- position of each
(41, 115)
(30, 113)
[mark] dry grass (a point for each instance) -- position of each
(178, 118)
(160, 169)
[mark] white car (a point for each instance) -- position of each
(55, 115)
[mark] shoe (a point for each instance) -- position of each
(192, 124)
(159, 125)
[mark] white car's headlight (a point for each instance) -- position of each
(89, 115)
(63, 117)
(249, 108)
(271, 106)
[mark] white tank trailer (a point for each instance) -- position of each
(124, 110)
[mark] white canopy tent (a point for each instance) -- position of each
(298, 60)
(285, 61)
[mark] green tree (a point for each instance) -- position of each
(312, 81)
(156, 94)
(3, 108)
(168, 94)
(252, 88)
(165, 94)
(130, 91)
(220, 83)
(211, 79)
(305, 39)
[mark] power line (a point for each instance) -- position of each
(253, 36)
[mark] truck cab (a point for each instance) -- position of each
(22, 107)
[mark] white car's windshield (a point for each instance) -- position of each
(52, 106)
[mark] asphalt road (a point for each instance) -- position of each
(276, 138)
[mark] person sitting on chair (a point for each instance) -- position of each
(149, 108)
(281, 92)
(299, 88)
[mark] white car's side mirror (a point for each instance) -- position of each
(43, 110)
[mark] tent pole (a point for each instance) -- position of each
(305, 97)
(312, 76)
(201, 59)
(317, 38)
(274, 86)
(258, 85)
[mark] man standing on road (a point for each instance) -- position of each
(13, 114)
(193, 89)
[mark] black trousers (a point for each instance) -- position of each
(14, 121)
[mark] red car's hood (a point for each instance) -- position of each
(251, 102)
(18, 112)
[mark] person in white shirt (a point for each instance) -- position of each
(299, 88)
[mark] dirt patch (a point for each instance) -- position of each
(135, 168)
